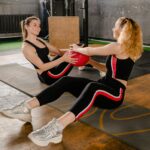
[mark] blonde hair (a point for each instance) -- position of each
(130, 37)
(27, 21)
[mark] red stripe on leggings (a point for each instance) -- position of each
(56, 76)
(97, 93)
(113, 66)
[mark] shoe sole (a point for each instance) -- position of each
(55, 140)
(21, 117)
(81, 68)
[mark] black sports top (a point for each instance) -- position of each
(41, 52)
(119, 68)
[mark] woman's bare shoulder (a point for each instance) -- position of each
(119, 48)
(27, 47)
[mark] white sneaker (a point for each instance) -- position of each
(102, 73)
(20, 112)
(50, 133)
(81, 68)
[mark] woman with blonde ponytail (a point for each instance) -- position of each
(36, 51)
(107, 92)
(130, 38)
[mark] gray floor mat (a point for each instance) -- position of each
(26, 79)
(21, 78)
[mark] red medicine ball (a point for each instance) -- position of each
(82, 59)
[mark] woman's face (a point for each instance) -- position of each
(34, 27)
(116, 30)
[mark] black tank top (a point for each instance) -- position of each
(119, 68)
(41, 52)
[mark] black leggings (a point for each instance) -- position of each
(52, 75)
(103, 93)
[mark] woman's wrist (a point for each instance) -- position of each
(80, 50)
(84, 50)
(88, 50)
(59, 52)
(62, 59)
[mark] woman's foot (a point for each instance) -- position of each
(83, 67)
(50, 133)
(102, 73)
(20, 112)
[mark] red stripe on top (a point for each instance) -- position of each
(113, 65)
(97, 93)
(56, 76)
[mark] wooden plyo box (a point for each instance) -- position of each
(63, 31)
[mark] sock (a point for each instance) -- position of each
(27, 105)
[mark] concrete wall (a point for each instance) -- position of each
(19, 7)
(104, 13)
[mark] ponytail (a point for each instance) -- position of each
(131, 38)
(24, 31)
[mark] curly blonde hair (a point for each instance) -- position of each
(130, 37)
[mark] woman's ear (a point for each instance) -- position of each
(26, 26)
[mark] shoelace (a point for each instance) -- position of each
(49, 130)
(21, 108)
(52, 129)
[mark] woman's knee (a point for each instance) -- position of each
(91, 85)
(64, 81)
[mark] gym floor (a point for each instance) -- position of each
(79, 136)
